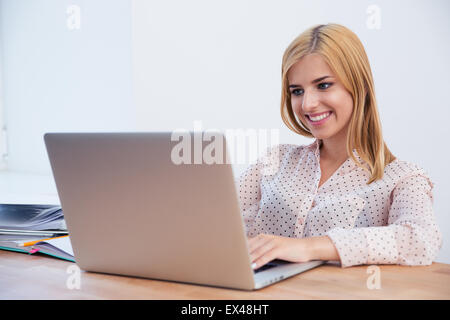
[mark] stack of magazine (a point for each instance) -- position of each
(34, 228)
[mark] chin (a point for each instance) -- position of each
(321, 136)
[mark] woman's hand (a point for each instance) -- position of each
(265, 248)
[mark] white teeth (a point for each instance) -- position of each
(323, 116)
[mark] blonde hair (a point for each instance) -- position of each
(346, 57)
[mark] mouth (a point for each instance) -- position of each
(318, 119)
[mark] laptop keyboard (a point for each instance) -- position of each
(269, 265)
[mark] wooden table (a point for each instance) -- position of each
(37, 276)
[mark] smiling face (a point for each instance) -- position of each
(319, 99)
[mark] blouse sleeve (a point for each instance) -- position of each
(249, 193)
(412, 236)
(249, 183)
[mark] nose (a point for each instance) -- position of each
(310, 102)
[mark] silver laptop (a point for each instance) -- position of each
(133, 209)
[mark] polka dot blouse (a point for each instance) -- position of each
(389, 221)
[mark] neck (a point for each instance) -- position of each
(334, 150)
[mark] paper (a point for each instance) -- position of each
(31, 217)
(62, 244)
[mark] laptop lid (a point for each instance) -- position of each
(131, 210)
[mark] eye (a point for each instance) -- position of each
(326, 84)
(296, 92)
(322, 86)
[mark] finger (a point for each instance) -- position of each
(264, 259)
(256, 242)
(262, 250)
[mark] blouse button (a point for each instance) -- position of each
(300, 220)
(313, 204)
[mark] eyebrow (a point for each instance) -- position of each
(314, 81)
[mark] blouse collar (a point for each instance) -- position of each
(348, 165)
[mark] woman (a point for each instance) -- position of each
(345, 197)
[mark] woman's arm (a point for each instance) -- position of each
(266, 247)
(322, 248)
(249, 183)
(412, 236)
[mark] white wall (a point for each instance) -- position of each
(62, 79)
(3, 143)
(160, 65)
